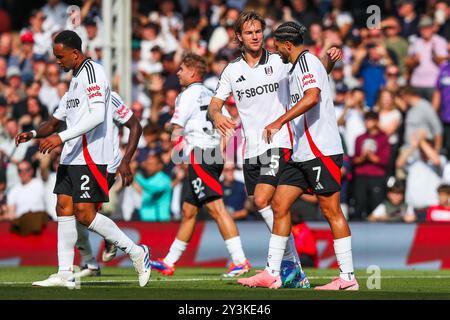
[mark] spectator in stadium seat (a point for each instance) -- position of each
(369, 64)
(42, 39)
(26, 203)
(409, 19)
(424, 57)
(424, 167)
(3, 119)
(421, 115)
(442, 18)
(234, 195)
(393, 40)
(441, 102)
(370, 160)
(56, 13)
(15, 90)
(440, 212)
(5, 45)
(390, 122)
(352, 117)
(156, 189)
(49, 92)
(151, 133)
(23, 58)
(394, 208)
(12, 153)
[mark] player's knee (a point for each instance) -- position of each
(188, 215)
(82, 216)
(279, 207)
(62, 210)
(261, 202)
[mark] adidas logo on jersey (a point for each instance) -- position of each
(241, 78)
(85, 195)
(270, 172)
(319, 186)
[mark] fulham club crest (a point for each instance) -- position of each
(268, 70)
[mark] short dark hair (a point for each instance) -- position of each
(445, 188)
(371, 115)
(409, 91)
(290, 31)
(69, 39)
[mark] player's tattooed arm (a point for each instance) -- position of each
(45, 129)
(309, 100)
(124, 169)
(223, 123)
(332, 56)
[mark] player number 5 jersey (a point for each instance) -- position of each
(315, 132)
(261, 95)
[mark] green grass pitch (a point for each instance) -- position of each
(206, 284)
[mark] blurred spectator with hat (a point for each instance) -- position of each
(424, 57)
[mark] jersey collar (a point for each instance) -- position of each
(77, 71)
(263, 60)
(296, 60)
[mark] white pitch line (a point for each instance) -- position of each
(224, 279)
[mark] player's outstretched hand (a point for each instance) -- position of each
(335, 54)
(225, 124)
(124, 171)
(50, 143)
(270, 131)
(23, 137)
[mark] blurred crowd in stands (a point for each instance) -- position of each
(391, 94)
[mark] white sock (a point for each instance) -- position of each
(290, 254)
(343, 251)
(234, 247)
(84, 246)
(267, 215)
(105, 227)
(67, 237)
(277, 245)
(176, 251)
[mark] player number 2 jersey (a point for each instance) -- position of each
(89, 86)
(261, 95)
(120, 113)
(315, 132)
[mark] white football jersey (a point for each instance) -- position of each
(191, 108)
(89, 86)
(262, 96)
(121, 114)
(315, 132)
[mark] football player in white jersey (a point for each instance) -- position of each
(88, 149)
(122, 116)
(315, 163)
(203, 153)
(258, 81)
